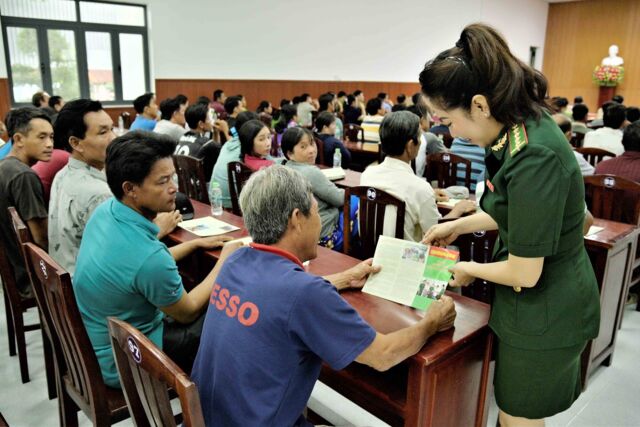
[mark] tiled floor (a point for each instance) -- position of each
(611, 399)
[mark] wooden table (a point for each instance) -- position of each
(362, 154)
(446, 383)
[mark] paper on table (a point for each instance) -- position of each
(450, 203)
(245, 240)
(594, 229)
(207, 226)
(412, 274)
(333, 174)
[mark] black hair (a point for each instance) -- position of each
(168, 107)
(481, 64)
(247, 133)
(357, 92)
(19, 119)
(565, 123)
(415, 98)
(341, 94)
(396, 130)
(373, 106)
(263, 106)
(284, 101)
(54, 100)
(614, 116)
(631, 137)
(244, 117)
(580, 112)
(633, 114)
(217, 94)
(618, 98)
(399, 107)
(296, 100)
(324, 100)
(182, 99)
(70, 121)
(203, 100)
(142, 101)
(578, 100)
(291, 137)
(196, 113)
(350, 99)
(304, 97)
(131, 157)
(382, 96)
(325, 118)
(287, 112)
(37, 98)
(231, 103)
(401, 98)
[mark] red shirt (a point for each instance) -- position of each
(48, 170)
(626, 166)
(256, 163)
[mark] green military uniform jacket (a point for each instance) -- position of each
(535, 193)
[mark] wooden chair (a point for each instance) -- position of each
(3, 422)
(23, 236)
(353, 132)
(146, 373)
(577, 139)
(443, 167)
(320, 157)
(82, 387)
(15, 306)
(238, 174)
(477, 247)
(594, 155)
(191, 179)
(371, 213)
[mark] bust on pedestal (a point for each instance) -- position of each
(613, 59)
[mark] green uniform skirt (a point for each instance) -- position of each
(536, 384)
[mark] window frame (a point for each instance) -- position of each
(79, 29)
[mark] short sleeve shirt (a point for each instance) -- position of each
(123, 270)
(201, 147)
(230, 152)
(21, 188)
(142, 123)
(536, 196)
(268, 328)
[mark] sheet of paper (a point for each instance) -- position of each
(244, 240)
(594, 229)
(207, 226)
(450, 203)
(412, 274)
(333, 174)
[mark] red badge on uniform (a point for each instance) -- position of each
(490, 185)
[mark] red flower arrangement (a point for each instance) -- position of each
(608, 75)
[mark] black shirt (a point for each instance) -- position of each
(199, 146)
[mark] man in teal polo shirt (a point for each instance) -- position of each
(123, 270)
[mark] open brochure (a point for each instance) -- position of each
(207, 226)
(412, 274)
(333, 174)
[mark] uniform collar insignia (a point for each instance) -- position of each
(500, 142)
(517, 138)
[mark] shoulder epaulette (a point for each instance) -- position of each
(517, 139)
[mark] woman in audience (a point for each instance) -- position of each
(326, 127)
(351, 111)
(288, 118)
(300, 149)
(265, 107)
(546, 303)
(255, 145)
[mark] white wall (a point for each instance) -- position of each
(367, 40)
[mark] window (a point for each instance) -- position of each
(76, 48)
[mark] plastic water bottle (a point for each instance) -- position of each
(120, 125)
(337, 158)
(215, 197)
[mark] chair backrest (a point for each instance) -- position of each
(84, 380)
(126, 119)
(353, 132)
(9, 279)
(320, 155)
(443, 167)
(577, 139)
(594, 155)
(614, 198)
(146, 373)
(191, 179)
(477, 247)
(371, 214)
(238, 174)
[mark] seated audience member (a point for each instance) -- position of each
(429, 143)
(288, 119)
(608, 137)
(598, 122)
(579, 125)
(400, 104)
(386, 102)
(47, 171)
(326, 126)
(233, 107)
(633, 114)
(341, 100)
(305, 109)
(264, 107)
(399, 135)
(123, 270)
(147, 109)
(230, 152)
(559, 104)
(55, 104)
(352, 113)
(203, 100)
(565, 126)
(473, 153)
(40, 99)
(32, 135)
(300, 150)
(327, 102)
(288, 322)
(416, 104)
(197, 142)
(243, 101)
(219, 98)
(371, 122)
(626, 165)
(360, 100)
(255, 145)
(172, 119)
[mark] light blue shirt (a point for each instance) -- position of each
(230, 152)
(123, 270)
(142, 123)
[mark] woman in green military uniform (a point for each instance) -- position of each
(546, 304)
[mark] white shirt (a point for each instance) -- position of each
(397, 178)
(606, 139)
(166, 127)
